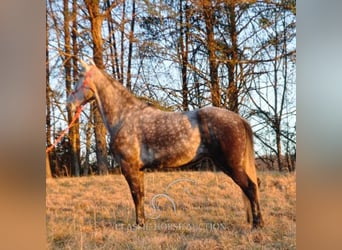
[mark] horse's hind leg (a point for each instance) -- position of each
(250, 190)
(248, 208)
(247, 203)
(135, 179)
(250, 193)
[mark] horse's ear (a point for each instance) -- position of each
(84, 65)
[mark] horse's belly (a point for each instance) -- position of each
(173, 154)
(168, 158)
(170, 140)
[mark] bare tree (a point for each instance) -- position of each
(130, 47)
(184, 23)
(122, 39)
(88, 133)
(270, 102)
(232, 90)
(96, 18)
(74, 131)
(209, 17)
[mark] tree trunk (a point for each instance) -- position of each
(100, 130)
(209, 18)
(277, 116)
(47, 166)
(233, 91)
(184, 47)
(67, 63)
(278, 143)
(96, 22)
(75, 130)
(100, 140)
(130, 48)
(122, 30)
(88, 144)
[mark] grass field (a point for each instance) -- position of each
(184, 210)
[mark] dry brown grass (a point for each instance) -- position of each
(97, 213)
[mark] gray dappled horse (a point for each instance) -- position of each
(143, 136)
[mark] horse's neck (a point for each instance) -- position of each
(115, 102)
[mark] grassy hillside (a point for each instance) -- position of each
(184, 210)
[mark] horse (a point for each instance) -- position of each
(145, 137)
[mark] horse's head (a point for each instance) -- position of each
(84, 89)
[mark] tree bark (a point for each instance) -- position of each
(184, 47)
(96, 19)
(130, 47)
(47, 166)
(122, 30)
(209, 18)
(88, 144)
(233, 91)
(75, 130)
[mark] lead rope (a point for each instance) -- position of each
(77, 115)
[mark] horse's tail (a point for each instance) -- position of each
(249, 159)
(249, 163)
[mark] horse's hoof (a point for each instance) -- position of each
(258, 225)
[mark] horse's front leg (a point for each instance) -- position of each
(135, 178)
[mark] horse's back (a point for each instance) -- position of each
(221, 121)
(219, 114)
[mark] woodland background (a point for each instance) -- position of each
(178, 55)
